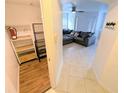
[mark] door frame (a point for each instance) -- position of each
(53, 38)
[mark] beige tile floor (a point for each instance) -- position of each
(77, 75)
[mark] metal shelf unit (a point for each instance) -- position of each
(39, 40)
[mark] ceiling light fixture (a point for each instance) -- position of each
(73, 9)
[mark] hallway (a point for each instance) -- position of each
(76, 76)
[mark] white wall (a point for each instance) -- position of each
(19, 14)
(52, 19)
(105, 65)
(11, 69)
(85, 21)
(91, 21)
(89, 5)
(100, 23)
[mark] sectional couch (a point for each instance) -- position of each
(79, 37)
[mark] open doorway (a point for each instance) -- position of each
(24, 28)
(82, 26)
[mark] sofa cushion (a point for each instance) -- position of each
(85, 34)
(90, 34)
(78, 38)
(76, 34)
(66, 31)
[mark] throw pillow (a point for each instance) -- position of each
(72, 33)
(76, 34)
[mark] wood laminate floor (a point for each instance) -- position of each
(34, 77)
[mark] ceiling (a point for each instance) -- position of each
(26, 2)
(85, 5)
(88, 5)
(37, 2)
(75, 1)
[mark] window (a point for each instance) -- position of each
(68, 20)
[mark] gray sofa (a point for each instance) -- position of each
(83, 38)
(67, 40)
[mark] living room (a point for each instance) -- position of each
(83, 24)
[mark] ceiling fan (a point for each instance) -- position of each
(74, 9)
